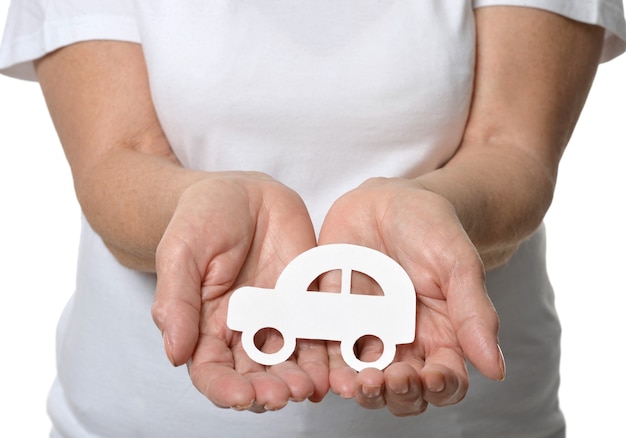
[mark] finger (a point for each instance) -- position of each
(475, 320)
(444, 377)
(369, 348)
(403, 389)
(230, 379)
(271, 393)
(298, 382)
(185, 279)
(312, 357)
(212, 373)
(342, 378)
(177, 301)
(272, 387)
(369, 390)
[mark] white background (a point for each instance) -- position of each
(39, 221)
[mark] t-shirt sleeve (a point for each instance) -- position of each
(608, 14)
(37, 27)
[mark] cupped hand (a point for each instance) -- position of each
(230, 230)
(455, 318)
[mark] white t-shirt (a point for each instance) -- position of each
(341, 91)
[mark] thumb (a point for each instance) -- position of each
(475, 321)
(177, 302)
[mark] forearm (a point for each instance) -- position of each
(128, 198)
(126, 176)
(533, 73)
(500, 197)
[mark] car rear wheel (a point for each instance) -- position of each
(249, 345)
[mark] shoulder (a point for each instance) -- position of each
(38, 27)
(608, 14)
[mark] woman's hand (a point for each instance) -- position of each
(231, 230)
(495, 190)
(455, 318)
(204, 234)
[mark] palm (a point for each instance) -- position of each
(241, 230)
(454, 316)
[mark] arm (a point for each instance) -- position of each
(157, 216)
(533, 72)
(120, 159)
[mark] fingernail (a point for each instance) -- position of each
(346, 396)
(298, 400)
(404, 389)
(168, 348)
(502, 364)
(243, 407)
(371, 391)
(435, 385)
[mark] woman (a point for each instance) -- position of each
(168, 111)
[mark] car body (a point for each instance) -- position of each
(343, 316)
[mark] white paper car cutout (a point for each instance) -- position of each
(346, 317)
